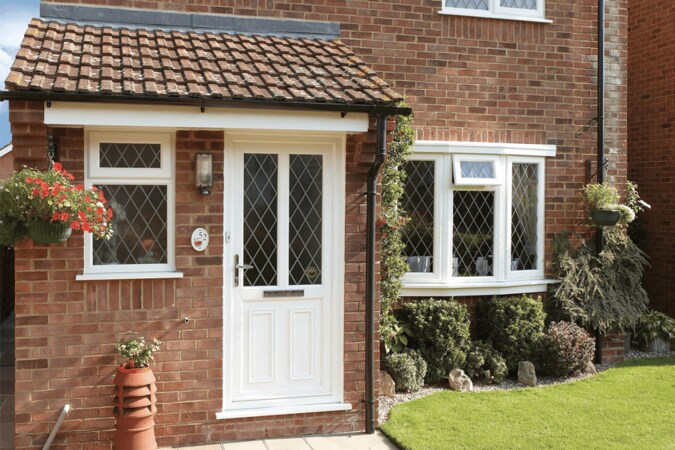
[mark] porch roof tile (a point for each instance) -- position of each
(86, 59)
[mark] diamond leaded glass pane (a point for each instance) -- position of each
(260, 219)
(468, 4)
(524, 217)
(139, 223)
(473, 235)
(418, 202)
(305, 219)
(519, 4)
(145, 156)
(477, 169)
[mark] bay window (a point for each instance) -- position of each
(476, 217)
(526, 10)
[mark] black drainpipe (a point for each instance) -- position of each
(601, 140)
(380, 158)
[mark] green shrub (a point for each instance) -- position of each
(654, 325)
(567, 349)
(407, 370)
(485, 364)
(441, 330)
(513, 325)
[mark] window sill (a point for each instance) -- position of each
(277, 411)
(489, 15)
(467, 289)
(128, 276)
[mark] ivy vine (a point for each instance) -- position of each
(391, 222)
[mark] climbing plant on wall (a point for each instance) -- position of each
(391, 222)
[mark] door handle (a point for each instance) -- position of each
(238, 266)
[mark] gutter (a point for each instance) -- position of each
(601, 142)
(203, 103)
(380, 158)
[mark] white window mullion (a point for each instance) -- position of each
(283, 200)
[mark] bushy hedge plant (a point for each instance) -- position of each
(441, 330)
(484, 364)
(567, 349)
(652, 326)
(513, 325)
(407, 370)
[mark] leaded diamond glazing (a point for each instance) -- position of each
(477, 169)
(524, 217)
(145, 156)
(519, 4)
(140, 225)
(468, 4)
(473, 232)
(305, 219)
(418, 202)
(260, 219)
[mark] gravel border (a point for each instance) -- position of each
(386, 403)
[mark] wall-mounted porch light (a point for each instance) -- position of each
(204, 173)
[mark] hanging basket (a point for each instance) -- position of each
(605, 217)
(49, 232)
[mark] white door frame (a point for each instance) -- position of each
(333, 146)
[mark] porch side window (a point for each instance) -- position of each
(134, 171)
(499, 9)
(477, 219)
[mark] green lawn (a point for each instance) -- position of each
(631, 406)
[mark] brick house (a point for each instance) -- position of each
(504, 97)
(651, 138)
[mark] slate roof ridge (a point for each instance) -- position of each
(73, 58)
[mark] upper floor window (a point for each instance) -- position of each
(530, 10)
(135, 172)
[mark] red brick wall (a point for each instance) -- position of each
(471, 79)
(651, 138)
(6, 165)
(65, 329)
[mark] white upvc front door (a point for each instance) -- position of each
(284, 265)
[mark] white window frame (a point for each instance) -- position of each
(460, 180)
(503, 280)
(496, 11)
(162, 176)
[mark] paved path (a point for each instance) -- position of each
(375, 441)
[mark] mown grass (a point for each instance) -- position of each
(631, 406)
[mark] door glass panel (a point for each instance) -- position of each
(473, 224)
(139, 223)
(260, 219)
(305, 219)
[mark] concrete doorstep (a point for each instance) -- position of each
(360, 441)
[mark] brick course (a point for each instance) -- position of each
(651, 138)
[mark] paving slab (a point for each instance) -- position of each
(246, 445)
(375, 441)
(287, 444)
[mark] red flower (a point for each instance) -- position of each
(109, 213)
(99, 211)
(57, 166)
(70, 176)
(101, 196)
(36, 191)
(65, 216)
(75, 225)
(56, 216)
(55, 192)
(86, 227)
(81, 216)
(62, 199)
(87, 198)
(79, 187)
(29, 179)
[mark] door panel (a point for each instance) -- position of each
(281, 295)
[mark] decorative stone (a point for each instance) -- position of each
(459, 381)
(526, 373)
(387, 384)
(590, 369)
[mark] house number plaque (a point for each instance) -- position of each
(200, 239)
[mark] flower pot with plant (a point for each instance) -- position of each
(604, 207)
(135, 397)
(655, 332)
(46, 206)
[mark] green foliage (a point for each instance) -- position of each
(407, 370)
(441, 330)
(485, 364)
(601, 291)
(513, 325)
(604, 196)
(567, 349)
(654, 325)
(626, 407)
(396, 336)
(392, 220)
(135, 352)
